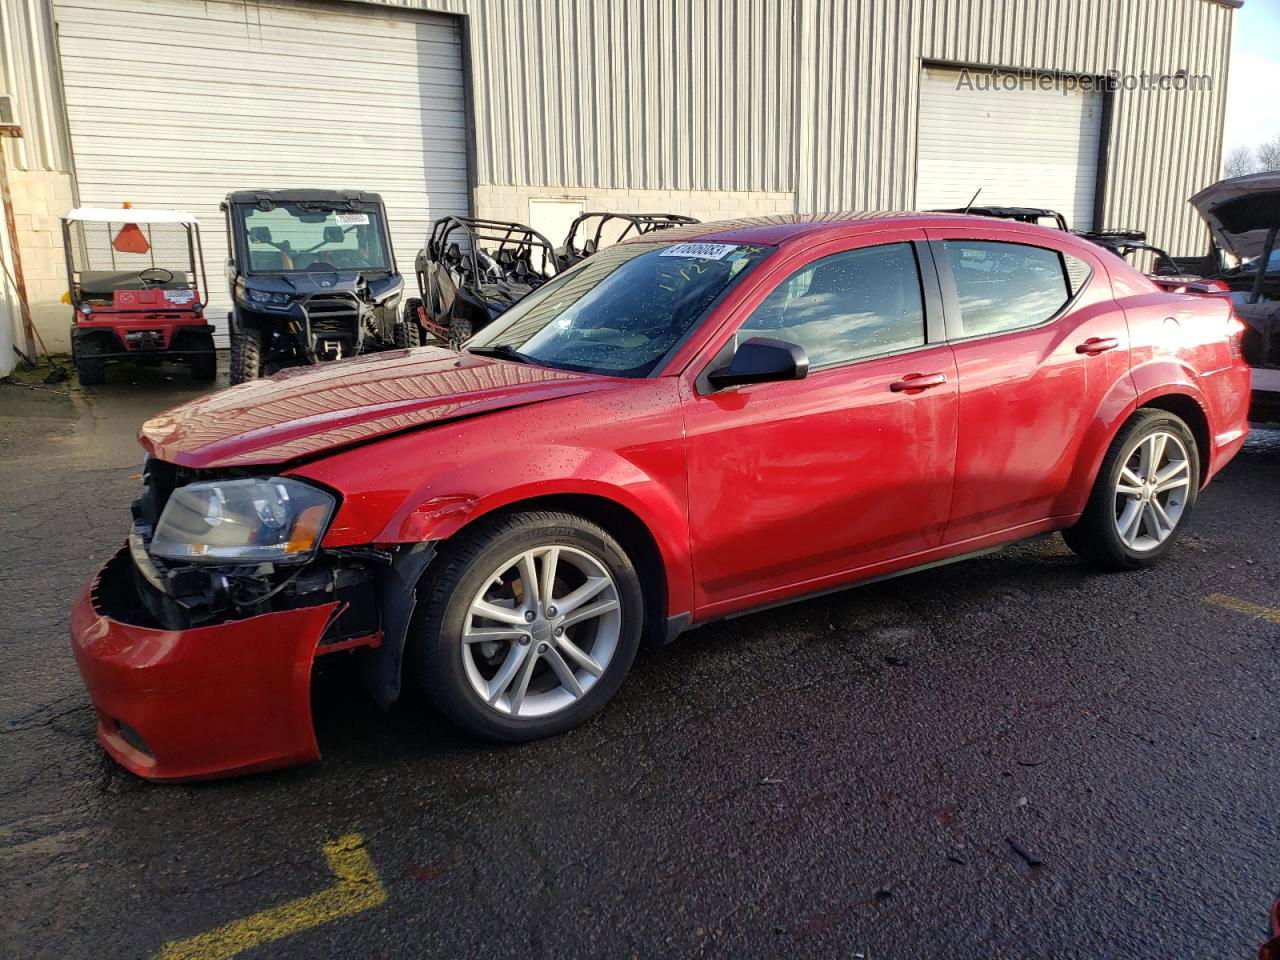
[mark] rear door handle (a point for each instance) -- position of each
(918, 381)
(1096, 345)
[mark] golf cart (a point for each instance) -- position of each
(1243, 214)
(472, 271)
(590, 231)
(313, 278)
(137, 287)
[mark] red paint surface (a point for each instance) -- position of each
(752, 496)
(210, 701)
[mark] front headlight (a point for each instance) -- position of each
(266, 518)
(259, 296)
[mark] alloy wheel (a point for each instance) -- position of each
(541, 632)
(1152, 491)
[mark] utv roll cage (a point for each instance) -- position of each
(624, 225)
(495, 249)
(1021, 214)
(1125, 242)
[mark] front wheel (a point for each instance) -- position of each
(528, 626)
(1144, 493)
(246, 355)
(204, 365)
(91, 366)
(407, 332)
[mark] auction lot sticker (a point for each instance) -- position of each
(351, 219)
(703, 251)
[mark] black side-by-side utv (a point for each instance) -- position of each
(313, 278)
(590, 231)
(471, 272)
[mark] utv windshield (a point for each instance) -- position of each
(621, 311)
(303, 238)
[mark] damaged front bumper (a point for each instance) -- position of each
(205, 701)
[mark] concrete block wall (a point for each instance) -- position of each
(40, 198)
(512, 202)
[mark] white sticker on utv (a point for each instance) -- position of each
(703, 251)
(351, 219)
(179, 296)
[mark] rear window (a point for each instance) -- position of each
(1006, 286)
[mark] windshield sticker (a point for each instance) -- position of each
(703, 251)
(351, 219)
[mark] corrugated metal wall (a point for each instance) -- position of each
(812, 96)
(28, 71)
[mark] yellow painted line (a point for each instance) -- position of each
(1249, 609)
(358, 888)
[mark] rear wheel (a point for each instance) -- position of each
(528, 626)
(246, 355)
(91, 366)
(408, 333)
(1144, 493)
(204, 366)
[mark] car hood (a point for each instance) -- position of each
(1240, 211)
(307, 411)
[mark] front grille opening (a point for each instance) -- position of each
(332, 313)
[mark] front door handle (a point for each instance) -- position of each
(918, 381)
(1096, 345)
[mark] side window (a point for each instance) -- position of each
(1005, 286)
(1078, 272)
(849, 305)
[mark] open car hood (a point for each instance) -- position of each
(305, 411)
(1240, 211)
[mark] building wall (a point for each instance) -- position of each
(818, 97)
(716, 108)
(39, 168)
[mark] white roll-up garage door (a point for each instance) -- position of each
(175, 103)
(1026, 147)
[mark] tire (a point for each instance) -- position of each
(91, 366)
(460, 330)
(204, 366)
(1122, 498)
(452, 671)
(246, 355)
(407, 331)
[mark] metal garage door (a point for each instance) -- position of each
(174, 103)
(1024, 147)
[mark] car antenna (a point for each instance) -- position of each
(971, 199)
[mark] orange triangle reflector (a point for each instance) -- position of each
(131, 239)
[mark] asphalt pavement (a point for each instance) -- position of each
(1009, 757)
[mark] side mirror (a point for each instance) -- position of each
(762, 360)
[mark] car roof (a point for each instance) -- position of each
(782, 228)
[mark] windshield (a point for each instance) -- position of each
(305, 238)
(621, 311)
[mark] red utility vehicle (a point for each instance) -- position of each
(137, 288)
(688, 425)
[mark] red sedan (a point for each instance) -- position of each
(687, 425)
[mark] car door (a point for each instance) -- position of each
(795, 483)
(1038, 343)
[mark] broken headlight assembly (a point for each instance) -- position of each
(247, 520)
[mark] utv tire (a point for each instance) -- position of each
(204, 366)
(453, 672)
(246, 355)
(460, 330)
(91, 366)
(407, 331)
(1126, 486)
